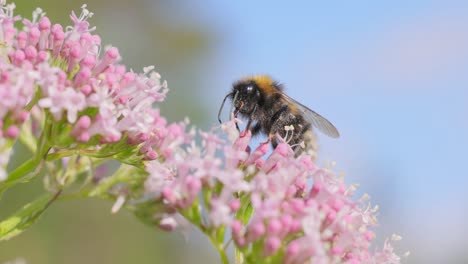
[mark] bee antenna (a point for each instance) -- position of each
(221, 108)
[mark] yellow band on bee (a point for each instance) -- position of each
(265, 83)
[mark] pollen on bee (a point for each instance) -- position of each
(288, 137)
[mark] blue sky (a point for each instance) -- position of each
(391, 76)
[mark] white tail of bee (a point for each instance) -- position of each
(310, 146)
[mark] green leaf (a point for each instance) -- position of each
(220, 234)
(246, 210)
(146, 212)
(23, 173)
(26, 216)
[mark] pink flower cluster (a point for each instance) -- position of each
(47, 67)
(72, 78)
(300, 211)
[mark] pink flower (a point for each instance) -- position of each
(68, 100)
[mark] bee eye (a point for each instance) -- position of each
(249, 89)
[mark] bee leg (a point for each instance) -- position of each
(270, 140)
(279, 121)
(234, 114)
(249, 123)
(247, 128)
(256, 129)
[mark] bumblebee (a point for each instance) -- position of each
(270, 111)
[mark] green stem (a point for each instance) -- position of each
(35, 99)
(23, 169)
(220, 248)
(27, 138)
(61, 154)
(53, 199)
(26, 216)
(193, 216)
(124, 173)
(32, 163)
(23, 173)
(238, 256)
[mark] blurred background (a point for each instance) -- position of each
(392, 77)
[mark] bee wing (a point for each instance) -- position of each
(318, 121)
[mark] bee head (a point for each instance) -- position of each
(245, 95)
